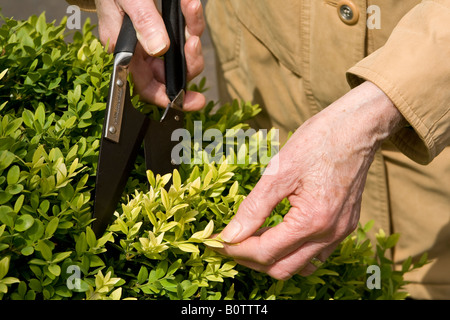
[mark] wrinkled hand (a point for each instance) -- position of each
(322, 171)
(147, 69)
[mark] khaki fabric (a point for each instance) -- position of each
(296, 57)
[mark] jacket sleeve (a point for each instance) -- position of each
(86, 5)
(413, 69)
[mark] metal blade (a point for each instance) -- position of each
(158, 144)
(115, 163)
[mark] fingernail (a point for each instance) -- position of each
(196, 4)
(231, 231)
(155, 45)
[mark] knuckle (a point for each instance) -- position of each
(282, 275)
(143, 18)
(265, 258)
(323, 224)
(307, 271)
(249, 207)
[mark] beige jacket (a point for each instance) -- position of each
(310, 39)
(295, 57)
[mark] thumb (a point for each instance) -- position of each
(253, 211)
(150, 28)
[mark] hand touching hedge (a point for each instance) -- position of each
(146, 67)
(322, 171)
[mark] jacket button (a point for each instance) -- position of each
(348, 12)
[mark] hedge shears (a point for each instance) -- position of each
(125, 129)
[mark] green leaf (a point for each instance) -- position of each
(24, 222)
(51, 227)
(142, 275)
(176, 179)
(28, 118)
(313, 279)
(27, 251)
(14, 189)
(44, 249)
(95, 261)
(4, 266)
(2, 106)
(4, 198)
(392, 240)
(13, 175)
(90, 238)
(54, 83)
(174, 267)
(54, 269)
(40, 114)
(41, 24)
(3, 73)
(7, 216)
(19, 203)
(168, 226)
(213, 243)
(209, 229)
(234, 189)
(165, 199)
(13, 126)
(134, 230)
(325, 272)
(188, 247)
(6, 158)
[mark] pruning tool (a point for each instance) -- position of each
(125, 129)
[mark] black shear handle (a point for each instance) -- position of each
(127, 40)
(174, 59)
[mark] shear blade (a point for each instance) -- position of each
(115, 163)
(159, 142)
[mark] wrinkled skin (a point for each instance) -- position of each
(322, 170)
(147, 69)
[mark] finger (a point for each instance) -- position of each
(148, 77)
(269, 247)
(300, 225)
(253, 211)
(193, 13)
(149, 81)
(290, 265)
(150, 28)
(322, 256)
(109, 22)
(195, 61)
(194, 101)
(298, 262)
